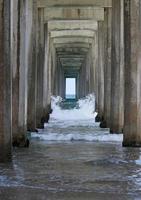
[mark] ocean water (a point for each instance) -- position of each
(70, 96)
(73, 159)
(77, 124)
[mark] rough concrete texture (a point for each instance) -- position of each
(5, 82)
(72, 25)
(117, 68)
(132, 125)
(55, 39)
(96, 3)
(75, 13)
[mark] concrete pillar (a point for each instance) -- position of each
(132, 119)
(117, 68)
(53, 69)
(23, 71)
(5, 82)
(47, 76)
(95, 66)
(107, 64)
(56, 78)
(77, 86)
(32, 60)
(92, 71)
(40, 67)
(88, 72)
(15, 63)
(100, 69)
(63, 87)
(83, 82)
(60, 76)
(20, 43)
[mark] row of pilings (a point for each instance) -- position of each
(28, 50)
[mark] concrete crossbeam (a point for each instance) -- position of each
(74, 33)
(98, 3)
(77, 13)
(72, 40)
(72, 55)
(72, 46)
(72, 25)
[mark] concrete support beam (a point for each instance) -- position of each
(72, 25)
(97, 3)
(23, 70)
(117, 68)
(72, 33)
(40, 68)
(5, 82)
(100, 103)
(92, 71)
(20, 48)
(47, 75)
(82, 83)
(53, 68)
(15, 63)
(95, 66)
(32, 60)
(132, 123)
(74, 13)
(107, 65)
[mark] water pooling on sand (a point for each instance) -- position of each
(73, 159)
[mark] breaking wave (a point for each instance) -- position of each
(84, 110)
(76, 124)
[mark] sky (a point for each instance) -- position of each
(70, 86)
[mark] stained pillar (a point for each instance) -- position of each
(100, 69)
(132, 119)
(32, 60)
(47, 76)
(95, 63)
(40, 68)
(117, 68)
(24, 51)
(21, 61)
(15, 63)
(107, 64)
(5, 82)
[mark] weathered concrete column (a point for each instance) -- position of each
(107, 65)
(88, 74)
(32, 60)
(47, 76)
(60, 78)
(132, 119)
(77, 86)
(5, 82)
(100, 69)
(82, 85)
(56, 78)
(19, 61)
(95, 63)
(117, 68)
(40, 68)
(53, 69)
(92, 71)
(15, 63)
